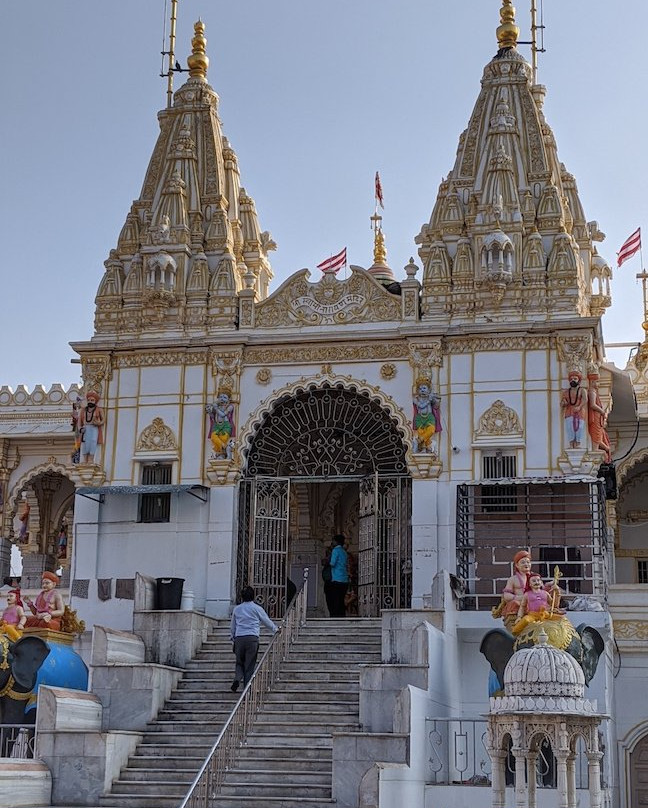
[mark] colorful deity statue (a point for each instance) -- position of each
(90, 422)
(515, 589)
(48, 609)
(13, 617)
(427, 416)
(573, 403)
(597, 418)
(221, 424)
(538, 604)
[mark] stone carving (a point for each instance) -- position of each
(303, 354)
(462, 345)
(575, 352)
(631, 629)
(158, 358)
(21, 397)
(388, 371)
(498, 420)
(330, 301)
(263, 376)
(96, 370)
(157, 437)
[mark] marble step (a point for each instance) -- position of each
(242, 788)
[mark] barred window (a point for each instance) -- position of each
(642, 571)
(499, 498)
(155, 507)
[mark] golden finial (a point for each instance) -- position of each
(380, 253)
(507, 32)
(198, 61)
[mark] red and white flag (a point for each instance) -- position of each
(334, 263)
(379, 195)
(630, 246)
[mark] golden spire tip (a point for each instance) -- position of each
(198, 61)
(507, 31)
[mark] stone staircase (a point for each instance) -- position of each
(286, 762)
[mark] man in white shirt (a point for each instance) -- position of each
(244, 631)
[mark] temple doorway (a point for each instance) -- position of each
(325, 461)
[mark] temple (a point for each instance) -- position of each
(442, 417)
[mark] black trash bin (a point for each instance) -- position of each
(169, 593)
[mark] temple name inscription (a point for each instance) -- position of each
(325, 309)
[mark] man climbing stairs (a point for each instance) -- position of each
(286, 761)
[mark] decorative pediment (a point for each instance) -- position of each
(330, 301)
(157, 437)
(499, 425)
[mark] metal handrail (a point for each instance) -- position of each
(209, 779)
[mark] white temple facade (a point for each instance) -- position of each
(426, 414)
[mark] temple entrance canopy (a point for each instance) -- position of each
(327, 459)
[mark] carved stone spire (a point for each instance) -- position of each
(191, 219)
(508, 198)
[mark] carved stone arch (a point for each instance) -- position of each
(583, 734)
(539, 734)
(157, 437)
(49, 467)
(44, 468)
(625, 466)
(380, 435)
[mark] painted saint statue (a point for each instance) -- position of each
(573, 403)
(90, 423)
(427, 416)
(221, 424)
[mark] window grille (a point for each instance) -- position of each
(155, 507)
(642, 571)
(499, 498)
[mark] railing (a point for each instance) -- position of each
(210, 778)
(17, 741)
(561, 523)
(458, 755)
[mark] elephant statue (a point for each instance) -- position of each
(29, 663)
(584, 643)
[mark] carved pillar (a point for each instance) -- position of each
(410, 293)
(561, 763)
(520, 778)
(499, 778)
(571, 781)
(594, 771)
(532, 759)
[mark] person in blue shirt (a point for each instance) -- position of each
(244, 632)
(339, 576)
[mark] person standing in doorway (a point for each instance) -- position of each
(244, 631)
(339, 576)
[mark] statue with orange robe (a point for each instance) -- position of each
(597, 418)
(48, 608)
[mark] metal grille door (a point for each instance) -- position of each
(385, 539)
(268, 558)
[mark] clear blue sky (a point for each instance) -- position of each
(315, 97)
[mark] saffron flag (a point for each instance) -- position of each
(334, 263)
(379, 195)
(630, 246)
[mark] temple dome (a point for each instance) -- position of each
(543, 671)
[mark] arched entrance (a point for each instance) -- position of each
(326, 459)
(639, 773)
